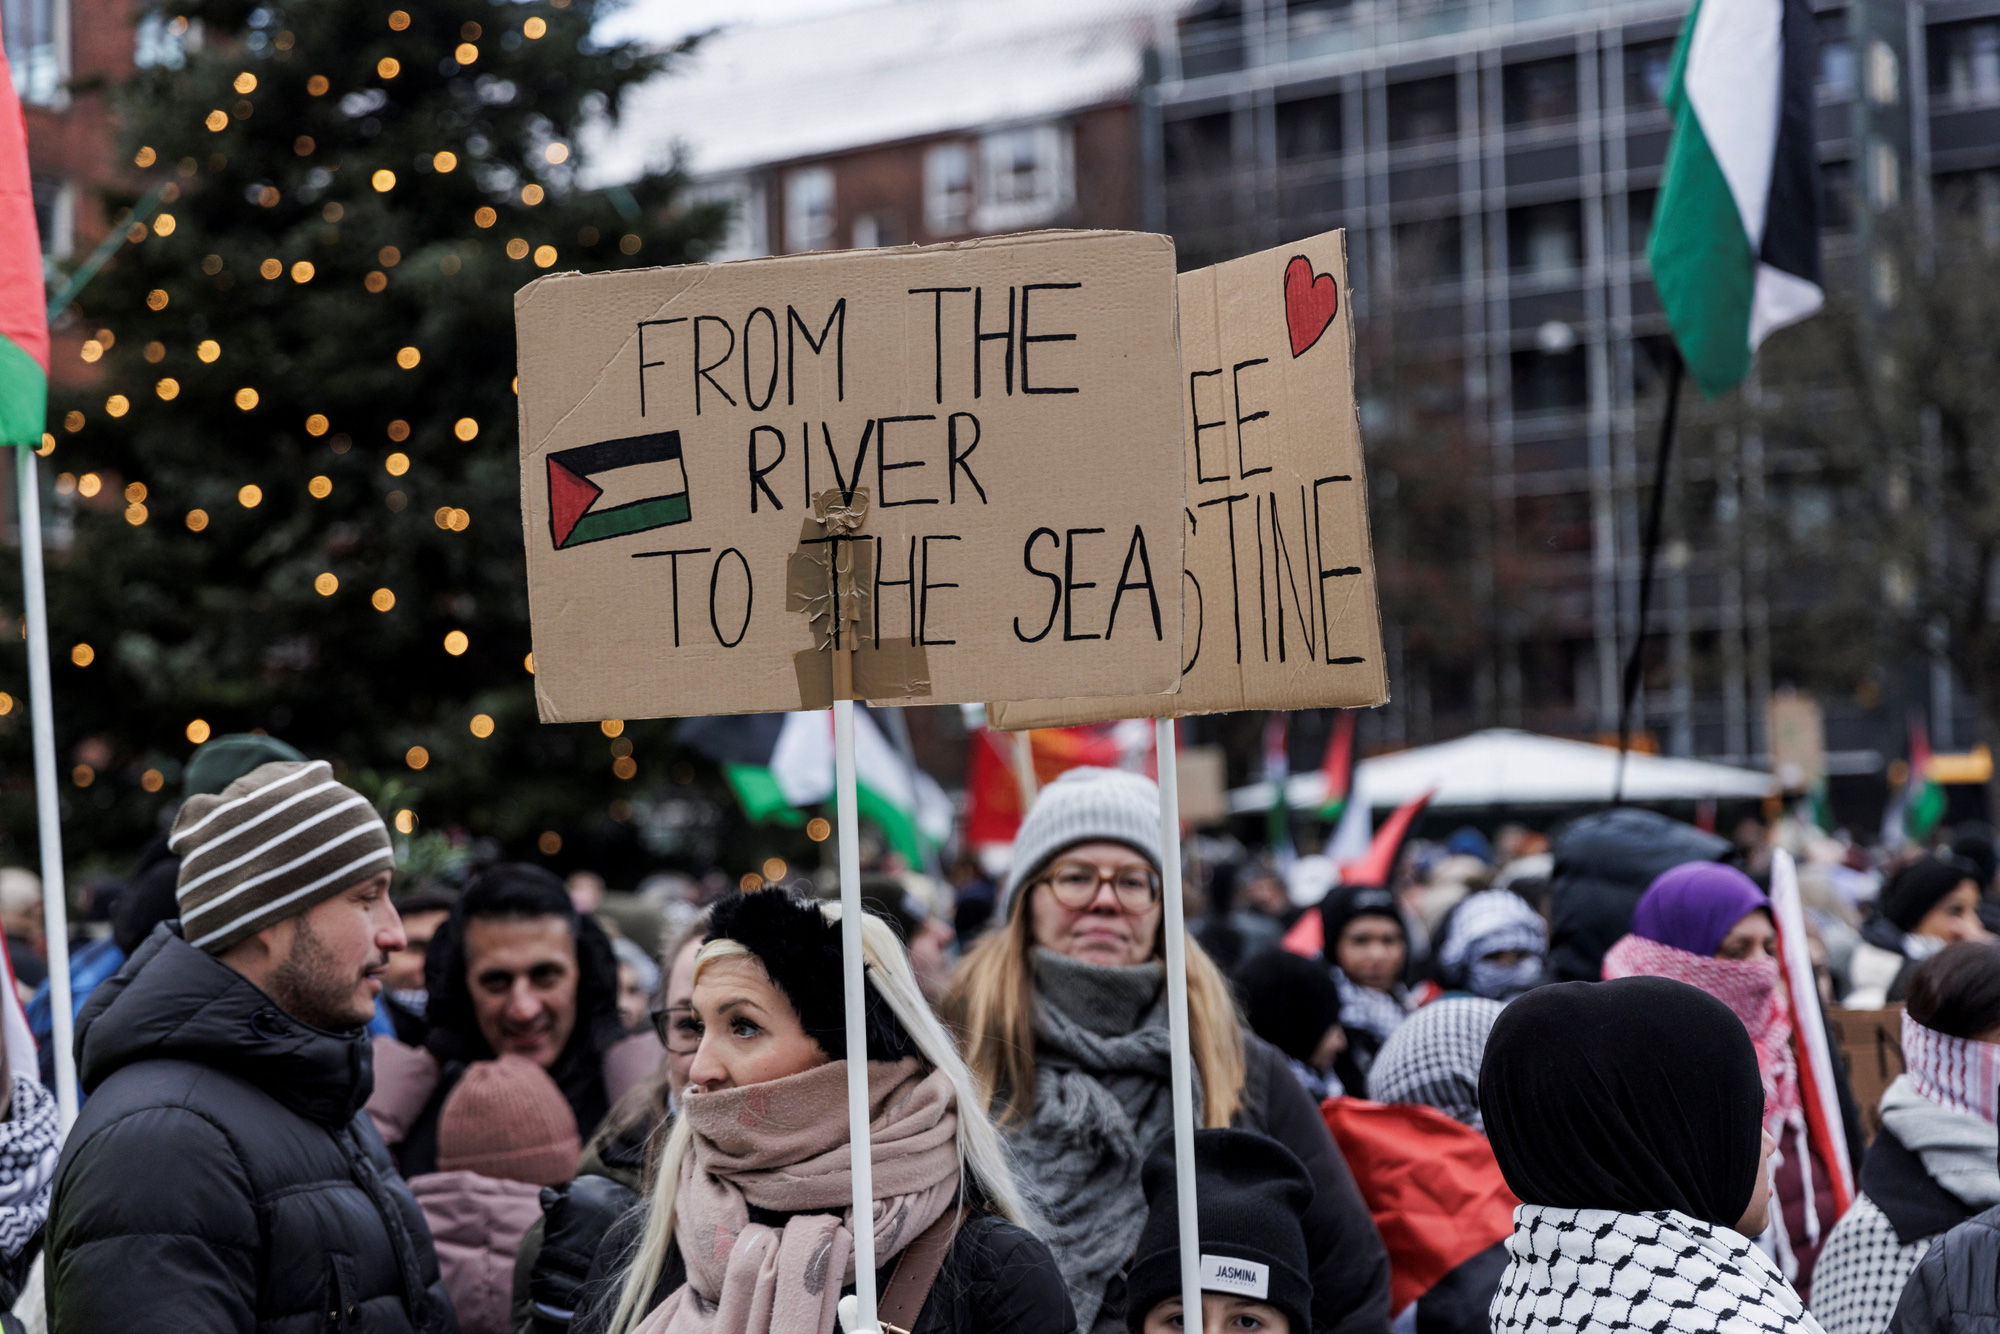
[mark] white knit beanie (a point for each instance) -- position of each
(1085, 806)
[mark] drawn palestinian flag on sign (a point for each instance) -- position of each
(616, 487)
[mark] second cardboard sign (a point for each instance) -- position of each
(1280, 579)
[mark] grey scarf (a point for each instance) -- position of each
(1956, 1148)
(1102, 1098)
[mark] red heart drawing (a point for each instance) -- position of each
(1310, 303)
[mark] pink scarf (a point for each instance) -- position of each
(1961, 1073)
(1749, 987)
(783, 1145)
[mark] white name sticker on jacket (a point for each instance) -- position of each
(1245, 1278)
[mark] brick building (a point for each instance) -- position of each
(899, 123)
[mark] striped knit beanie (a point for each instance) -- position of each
(272, 844)
(1085, 806)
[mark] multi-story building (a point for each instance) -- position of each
(893, 123)
(1496, 163)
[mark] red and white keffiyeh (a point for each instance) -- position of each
(1749, 987)
(1961, 1073)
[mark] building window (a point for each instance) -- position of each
(161, 41)
(874, 230)
(747, 235)
(1646, 74)
(1540, 91)
(1545, 240)
(1423, 109)
(1544, 381)
(1639, 207)
(1200, 145)
(1965, 61)
(55, 215)
(1836, 196)
(1309, 127)
(1429, 252)
(948, 189)
(809, 209)
(34, 32)
(1026, 177)
(1836, 56)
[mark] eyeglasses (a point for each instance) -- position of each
(1075, 885)
(679, 1030)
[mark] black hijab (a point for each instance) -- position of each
(1633, 1095)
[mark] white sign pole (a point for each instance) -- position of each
(1179, 1043)
(55, 905)
(856, 998)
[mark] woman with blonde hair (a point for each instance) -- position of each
(747, 1226)
(1062, 1009)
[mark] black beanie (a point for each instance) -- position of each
(1916, 889)
(800, 950)
(1251, 1195)
(1289, 1000)
(1344, 903)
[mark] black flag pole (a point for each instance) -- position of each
(1647, 556)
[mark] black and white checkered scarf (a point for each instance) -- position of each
(1433, 1058)
(30, 1139)
(1594, 1271)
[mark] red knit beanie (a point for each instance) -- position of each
(508, 1119)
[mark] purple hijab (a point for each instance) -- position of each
(1694, 905)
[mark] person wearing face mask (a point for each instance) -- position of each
(1493, 945)
(1929, 904)
(556, 1255)
(1627, 1116)
(1062, 1008)
(1708, 925)
(746, 1227)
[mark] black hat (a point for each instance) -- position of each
(1344, 903)
(1290, 1000)
(800, 950)
(1251, 1194)
(1916, 889)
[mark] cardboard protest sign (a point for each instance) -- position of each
(1280, 579)
(959, 464)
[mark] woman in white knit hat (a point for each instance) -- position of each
(1062, 1009)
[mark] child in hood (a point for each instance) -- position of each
(504, 1132)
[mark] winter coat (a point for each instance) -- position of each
(477, 1222)
(1956, 1286)
(556, 1254)
(1878, 971)
(1911, 1194)
(1603, 863)
(996, 1279)
(222, 1176)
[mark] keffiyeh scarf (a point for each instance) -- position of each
(1373, 1012)
(1961, 1073)
(1663, 1272)
(1749, 987)
(30, 1140)
(1434, 1058)
(1487, 923)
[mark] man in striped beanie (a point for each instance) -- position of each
(223, 1174)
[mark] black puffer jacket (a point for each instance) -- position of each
(1603, 863)
(1956, 1286)
(222, 1175)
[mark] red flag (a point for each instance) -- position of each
(1432, 1185)
(993, 789)
(1306, 935)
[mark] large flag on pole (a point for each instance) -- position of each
(1735, 237)
(24, 324)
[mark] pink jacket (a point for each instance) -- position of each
(477, 1223)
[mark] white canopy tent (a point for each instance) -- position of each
(1505, 767)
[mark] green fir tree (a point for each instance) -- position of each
(292, 497)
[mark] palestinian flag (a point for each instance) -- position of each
(1278, 773)
(1735, 239)
(615, 488)
(778, 764)
(1337, 768)
(1923, 797)
(24, 324)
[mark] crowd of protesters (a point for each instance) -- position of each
(1531, 1083)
